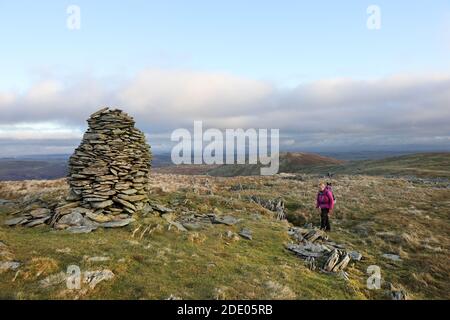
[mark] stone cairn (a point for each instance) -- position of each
(108, 179)
(108, 172)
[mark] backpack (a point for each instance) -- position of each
(330, 188)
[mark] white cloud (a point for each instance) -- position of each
(169, 95)
(397, 109)
(38, 131)
(7, 98)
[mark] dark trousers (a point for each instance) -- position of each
(324, 220)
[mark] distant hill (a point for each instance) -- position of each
(47, 167)
(12, 169)
(426, 165)
(289, 163)
(186, 169)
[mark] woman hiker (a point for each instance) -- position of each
(325, 205)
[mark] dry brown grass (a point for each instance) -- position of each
(17, 189)
(37, 267)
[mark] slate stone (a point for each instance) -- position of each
(40, 213)
(117, 224)
(9, 265)
(16, 221)
(93, 278)
(72, 219)
(228, 220)
(192, 226)
(53, 280)
(37, 222)
(101, 204)
(161, 208)
(5, 202)
(80, 229)
(392, 257)
(246, 233)
(355, 255)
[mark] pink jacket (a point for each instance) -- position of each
(325, 200)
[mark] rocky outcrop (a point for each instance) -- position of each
(275, 205)
(313, 246)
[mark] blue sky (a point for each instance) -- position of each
(282, 41)
(285, 45)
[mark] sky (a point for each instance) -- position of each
(313, 69)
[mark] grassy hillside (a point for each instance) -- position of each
(374, 216)
(425, 165)
(289, 162)
(186, 169)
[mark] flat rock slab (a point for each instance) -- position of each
(101, 204)
(355, 255)
(125, 203)
(97, 259)
(316, 234)
(16, 221)
(228, 220)
(316, 247)
(192, 226)
(40, 213)
(100, 218)
(66, 208)
(53, 280)
(246, 233)
(178, 225)
(392, 257)
(81, 229)
(132, 198)
(301, 251)
(37, 222)
(9, 265)
(72, 219)
(117, 224)
(161, 208)
(92, 278)
(335, 245)
(4, 202)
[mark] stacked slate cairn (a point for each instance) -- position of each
(108, 179)
(109, 171)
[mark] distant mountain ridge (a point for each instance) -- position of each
(290, 162)
(14, 170)
(429, 165)
(422, 165)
